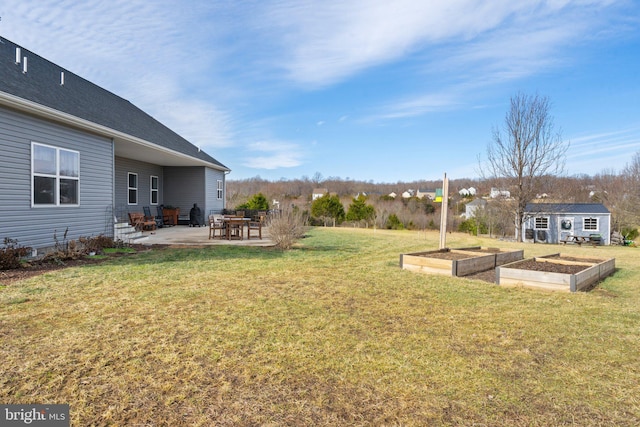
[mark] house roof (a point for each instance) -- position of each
(565, 208)
(477, 202)
(136, 133)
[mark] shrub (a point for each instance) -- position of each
(328, 208)
(287, 227)
(63, 250)
(258, 202)
(473, 226)
(630, 233)
(394, 223)
(11, 253)
(96, 243)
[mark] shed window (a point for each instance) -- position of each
(590, 224)
(154, 190)
(542, 223)
(133, 188)
(55, 176)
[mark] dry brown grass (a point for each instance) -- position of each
(332, 332)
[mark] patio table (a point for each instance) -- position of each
(238, 223)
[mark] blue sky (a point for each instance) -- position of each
(374, 90)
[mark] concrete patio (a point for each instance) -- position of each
(183, 235)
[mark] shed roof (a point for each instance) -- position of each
(565, 208)
(80, 98)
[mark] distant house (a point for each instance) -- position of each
(554, 222)
(473, 206)
(393, 195)
(77, 157)
(318, 192)
(430, 194)
(496, 193)
(408, 194)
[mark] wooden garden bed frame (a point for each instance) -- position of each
(511, 275)
(474, 260)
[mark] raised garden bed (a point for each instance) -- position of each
(458, 262)
(556, 272)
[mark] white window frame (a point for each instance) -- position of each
(130, 188)
(57, 176)
(588, 228)
(541, 218)
(155, 190)
(220, 190)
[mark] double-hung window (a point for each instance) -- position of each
(220, 190)
(132, 180)
(154, 190)
(55, 176)
(590, 224)
(542, 223)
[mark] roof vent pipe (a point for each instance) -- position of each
(18, 53)
(24, 65)
(61, 78)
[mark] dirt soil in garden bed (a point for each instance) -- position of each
(550, 267)
(570, 258)
(490, 275)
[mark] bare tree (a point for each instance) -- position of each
(526, 152)
(631, 179)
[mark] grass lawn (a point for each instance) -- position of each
(332, 332)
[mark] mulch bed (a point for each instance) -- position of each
(36, 268)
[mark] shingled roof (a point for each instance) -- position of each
(565, 208)
(80, 98)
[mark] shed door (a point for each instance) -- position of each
(566, 227)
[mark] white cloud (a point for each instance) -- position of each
(320, 43)
(417, 106)
(273, 155)
(619, 144)
(138, 50)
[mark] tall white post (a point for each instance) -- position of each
(443, 213)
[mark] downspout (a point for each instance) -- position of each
(224, 189)
(113, 186)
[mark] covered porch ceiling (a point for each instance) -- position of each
(154, 154)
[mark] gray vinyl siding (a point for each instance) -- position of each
(35, 226)
(144, 170)
(184, 186)
(213, 204)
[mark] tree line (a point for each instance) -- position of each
(526, 158)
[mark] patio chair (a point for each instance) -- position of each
(255, 225)
(216, 222)
(148, 217)
(138, 221)
(159, 217)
